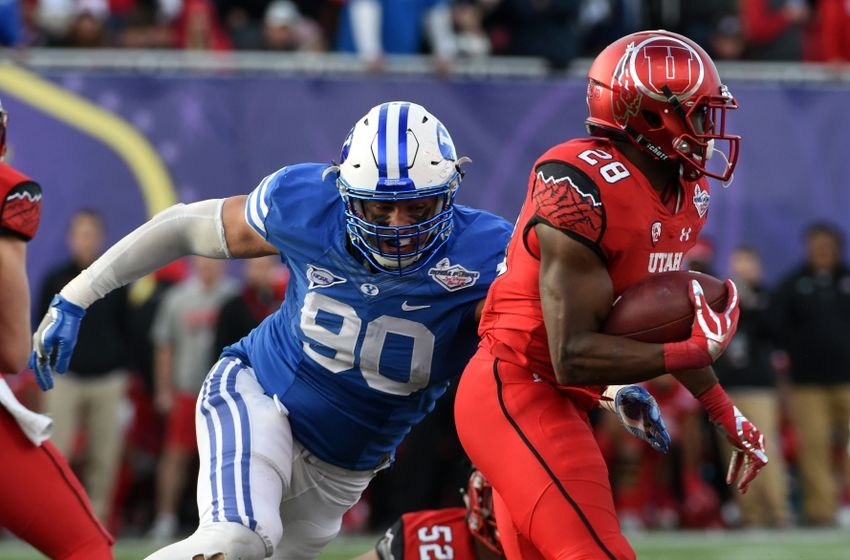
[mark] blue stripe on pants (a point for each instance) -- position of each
(206, 411)
(220, 393)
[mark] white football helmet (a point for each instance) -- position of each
(398, 151)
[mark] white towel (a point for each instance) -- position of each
(37, 427)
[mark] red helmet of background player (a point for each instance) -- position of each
(662, 92)
(479, 512)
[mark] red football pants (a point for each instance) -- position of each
(43, 503)
(536, 448)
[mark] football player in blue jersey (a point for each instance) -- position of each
(387, 274)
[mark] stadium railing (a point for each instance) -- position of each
(347, 64)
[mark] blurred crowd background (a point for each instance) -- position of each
(556, 30)
(124, 414)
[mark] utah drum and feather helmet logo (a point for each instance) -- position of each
(655, 233)
(664, 61)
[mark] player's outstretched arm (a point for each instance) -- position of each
(209, 228)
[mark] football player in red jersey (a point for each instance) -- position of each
(470, 533)
(601, 213)
(41, 501)
(460, 533)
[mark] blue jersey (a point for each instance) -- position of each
(358, 357)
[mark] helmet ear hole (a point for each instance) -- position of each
(651, 118)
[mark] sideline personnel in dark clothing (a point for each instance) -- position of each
(746, 370)
(812, 308)
(89, 395)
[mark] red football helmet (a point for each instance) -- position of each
(662, 92)
(479, 512)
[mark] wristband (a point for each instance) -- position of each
(715, 401)
(63, 304)
(684, 355)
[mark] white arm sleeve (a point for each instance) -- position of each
(183, 229)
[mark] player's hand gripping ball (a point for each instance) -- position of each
(659, 308)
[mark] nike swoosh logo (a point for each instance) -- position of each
(406, 307)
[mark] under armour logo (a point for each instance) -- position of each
(685, 235)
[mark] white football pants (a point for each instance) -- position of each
(259, 491)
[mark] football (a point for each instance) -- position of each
(658, 309)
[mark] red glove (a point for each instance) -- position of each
(741, 433)
(711, 332)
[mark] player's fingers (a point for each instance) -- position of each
(43, 347)
(732, 310)
(732, 300)
(751, 470)
(697, 295)
(36, 346)
(660, 439)
(46, 341)
(657, 428)
(734, 466)
(656, 431)
(42, 375)
(758, 450)
(702, 311)
(63, 356)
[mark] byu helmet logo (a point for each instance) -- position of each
(346, 146)
(447, 147)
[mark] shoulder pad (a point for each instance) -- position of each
(20, 209)
(10, 178)
(566, 198)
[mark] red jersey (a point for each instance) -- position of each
(429, 534)
(589, 190)
(20, 203)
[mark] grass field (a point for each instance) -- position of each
(756, 545)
